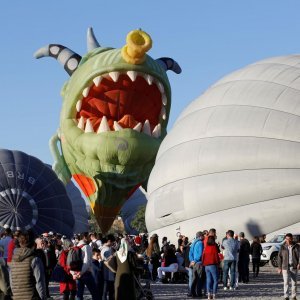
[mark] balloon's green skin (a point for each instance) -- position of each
(117, 161)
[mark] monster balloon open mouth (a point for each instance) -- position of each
(114, 116)
(119, 100)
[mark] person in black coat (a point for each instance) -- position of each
(244, 258)
(97, 271)
(256, 252)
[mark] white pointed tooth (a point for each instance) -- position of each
(81, 123)
(138, 127)
(78, 105)
(149, 79)
(146, 128)
(85, 92)
(160, 87)
(114, 76)
(117, 126)
(164, 99)
(103, 125)
(132, 75)
(97, 80)
(88, 126)
(157, 131)
(163, 113)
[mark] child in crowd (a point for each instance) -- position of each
(97, 270)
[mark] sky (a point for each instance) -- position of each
(208, 38)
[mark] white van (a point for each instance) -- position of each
(271, 248)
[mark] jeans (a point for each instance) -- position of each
(69, 295)
(171, 268)
(211, 279)
(243, 268)
(197, 281)
(108, 289)
(190, 272)
(255, 263)
(229, 264)
(87, 280)
(287, 275)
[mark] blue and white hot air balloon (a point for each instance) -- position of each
(32, 196)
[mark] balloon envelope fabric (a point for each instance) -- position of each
(79, 207)
(32, 196)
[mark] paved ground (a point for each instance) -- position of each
(268, 286)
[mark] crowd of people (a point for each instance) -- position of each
(205, 263)
(111, 266)
(28, 264)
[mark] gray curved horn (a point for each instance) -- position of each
(169, 64)
(92, 42)
(64, 55)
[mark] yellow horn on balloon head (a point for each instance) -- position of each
(138, 43)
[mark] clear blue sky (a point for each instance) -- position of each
(208, 38)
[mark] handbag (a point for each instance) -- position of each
(59, 274)
(111, 263)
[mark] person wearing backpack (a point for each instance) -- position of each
(80, 262)
(68, 286)
(95, 243)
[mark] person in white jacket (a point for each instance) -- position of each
(85, 276)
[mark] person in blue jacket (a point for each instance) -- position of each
(196, 268)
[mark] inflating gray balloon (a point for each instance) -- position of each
(130, 208)
(232, 159)
(79, 208)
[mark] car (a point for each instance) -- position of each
(271, 249)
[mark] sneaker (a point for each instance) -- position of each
(232, 288)
(214, 296)
(225, 288)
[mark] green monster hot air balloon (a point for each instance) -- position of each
(114, 116)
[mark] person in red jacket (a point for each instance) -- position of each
(211, 262)
(68, 287)
(11, 246)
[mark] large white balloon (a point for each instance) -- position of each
(232, 159)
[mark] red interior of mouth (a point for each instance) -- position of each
(124, 101)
